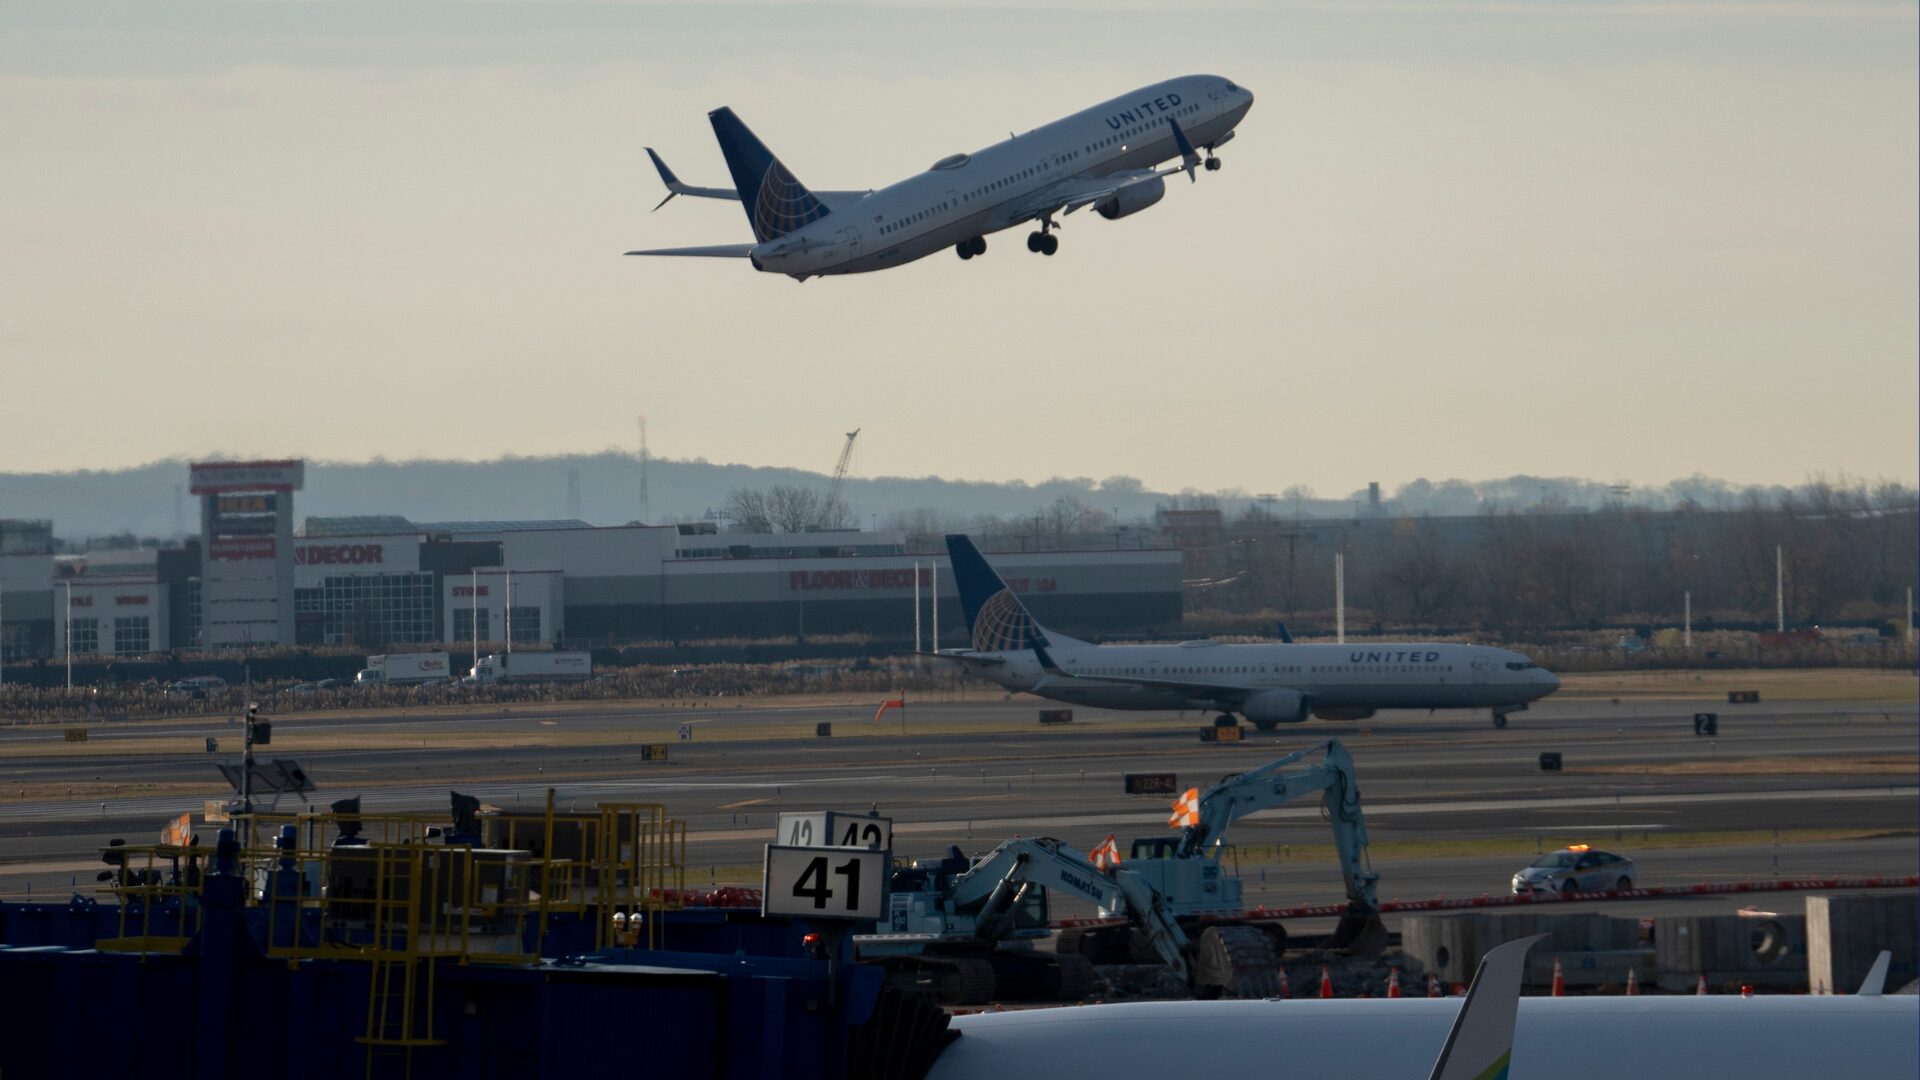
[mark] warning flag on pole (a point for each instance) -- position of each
(1105, 855)
(178, 832)
(897, 702)
(1186, 810)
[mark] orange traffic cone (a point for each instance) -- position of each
(1559, 979)
(1701, 988)
(1286, 991)
(1393, 982)
(1633, 984)
(1326, 982)
(1820, 987)
(1433, 985)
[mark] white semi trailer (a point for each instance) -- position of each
(415, 667)
(532, 667)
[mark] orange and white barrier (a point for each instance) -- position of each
(1186, 810)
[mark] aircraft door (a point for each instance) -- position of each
(1480, 672)
(851, 236)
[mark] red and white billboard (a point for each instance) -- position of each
(214, 477)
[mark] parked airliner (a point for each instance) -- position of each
(1106, 157)
(1268, 684)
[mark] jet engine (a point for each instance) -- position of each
(1133, 198)
(1270, 707)
(1342, 712)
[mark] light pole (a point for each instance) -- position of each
(69, 586)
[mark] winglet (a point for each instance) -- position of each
(666, 177)
(1875, 983)
(1480, 1046)
(1285, 638)
(1189, 160)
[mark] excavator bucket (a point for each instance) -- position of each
(1359, 932)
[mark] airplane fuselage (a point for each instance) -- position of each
(1349, 677)
(971, 195)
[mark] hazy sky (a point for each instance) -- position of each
(1623, 241)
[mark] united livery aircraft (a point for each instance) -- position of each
(1268, 684)
(1107, 157)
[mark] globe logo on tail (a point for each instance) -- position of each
(783, 204)
(1004, 626)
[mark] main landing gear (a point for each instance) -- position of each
(1213, 163)
(967, 249)
(1044, 242)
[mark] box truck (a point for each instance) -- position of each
(532, 667)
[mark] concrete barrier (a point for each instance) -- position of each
(1846, 932)
(1594, 950)
(1730, 950)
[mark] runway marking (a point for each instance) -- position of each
(741, 803)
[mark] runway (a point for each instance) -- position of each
(1453, 806)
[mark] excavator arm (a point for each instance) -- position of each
(1054, 865)
(1281, 781)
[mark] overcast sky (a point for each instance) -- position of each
(1621, 241)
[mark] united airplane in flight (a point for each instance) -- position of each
(1107, 157)
(1266, 684)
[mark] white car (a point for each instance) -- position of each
(1575, 869)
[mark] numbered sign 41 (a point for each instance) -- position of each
(824, 883)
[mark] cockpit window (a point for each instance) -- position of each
(1520, 665)
(1232, 88)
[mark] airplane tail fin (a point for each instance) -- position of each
(776, 202)
(996, 619)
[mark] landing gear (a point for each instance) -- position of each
(967, 249)
(1213, 163)
(1043, 243)
(1501, 712)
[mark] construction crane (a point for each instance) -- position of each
(1185, 870)
(827, 509)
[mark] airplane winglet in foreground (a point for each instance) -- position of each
(1267, 684)
(1107, 157)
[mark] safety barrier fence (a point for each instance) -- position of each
(1442, 903)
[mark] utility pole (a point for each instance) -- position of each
(476, 624)
(509, 618)
(935, 563)
(1779, 590)
(1909, 633)
(1686, 634)
(645, 512)
(1340, 597)
(69, 586)
(916, 608)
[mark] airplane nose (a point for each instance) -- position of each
(1549, 680)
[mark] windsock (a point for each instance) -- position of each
(1186, 810)
(896, 702)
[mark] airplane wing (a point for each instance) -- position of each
(1073, 193)
(964, 658)
(1225, 695)
(710, 251)
(834, 200)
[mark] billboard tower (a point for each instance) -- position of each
(246, 551)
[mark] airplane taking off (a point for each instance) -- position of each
(1106, 157)
(1267, 684)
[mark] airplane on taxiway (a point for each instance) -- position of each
(1106, 157)
(1268, 684)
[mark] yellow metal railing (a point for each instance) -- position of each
(157, 881)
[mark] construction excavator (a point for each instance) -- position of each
(1185, 872)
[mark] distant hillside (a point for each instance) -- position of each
(151, 500)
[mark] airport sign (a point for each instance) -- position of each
(824, 883)
(828, 828)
